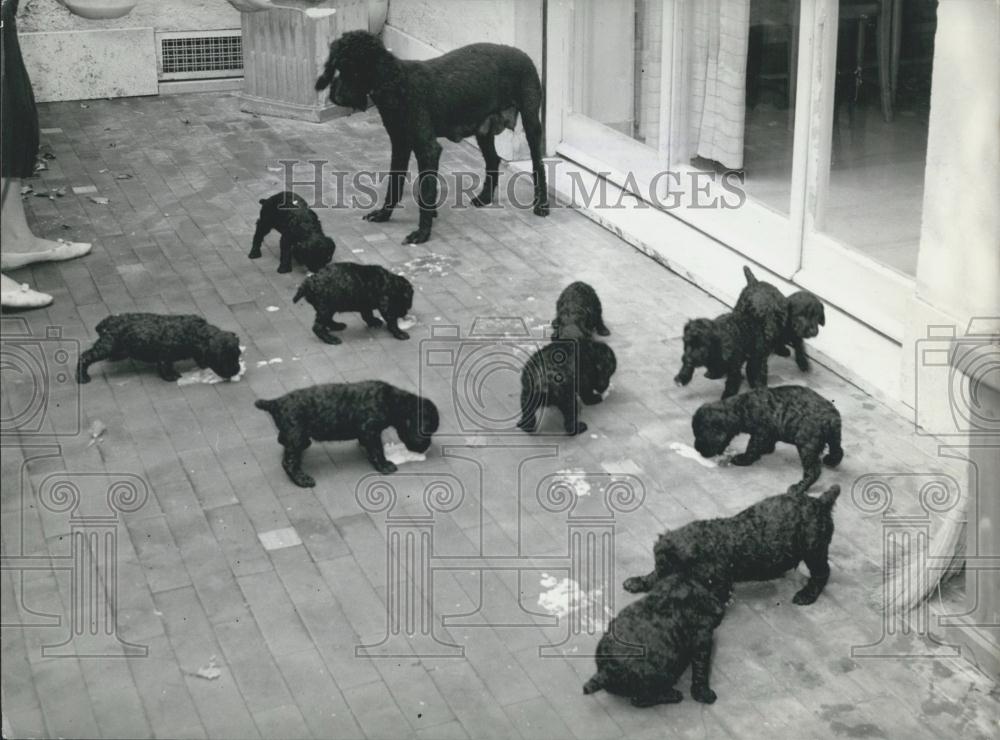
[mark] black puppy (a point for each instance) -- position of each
(559, 372)
(349, 286)
(788, 413)
(162, 339)
(760, 315)
(673, 625)
(714, 344)
(301, 233)
(805, 314)
(342, 411)
(760, 543)
(578, 313)
(475, 90)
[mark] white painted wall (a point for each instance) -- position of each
(958, 267)
(448, 24)
(420, 29)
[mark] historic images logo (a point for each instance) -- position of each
(523, 544)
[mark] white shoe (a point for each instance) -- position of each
(24, 297)
(65, 251)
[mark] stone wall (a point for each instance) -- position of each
(161, 15)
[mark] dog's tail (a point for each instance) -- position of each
(594, 684)
(751, 278)
(829, 497)
(300, 293)
(265, 404)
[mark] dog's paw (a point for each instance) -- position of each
(805, 597)
(803, 364)
(526, 425)
(302, 480)
(82, 378)
(386, 468)
(400, 334)
(670, 696)
(378, 215)
(636, 584)
(480, 201)
(417, 237)
(717, 375)
(284, 269)
(782, 351)
(581, 427)
(683, 377)
(592, 399)
(337, 325)
(541, 209)
(171, 376)
(603, 331)
(374, 322)
(326, 336)
(254, 255)
(703, 694)
(742, 459)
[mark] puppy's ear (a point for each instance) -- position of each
(822, 315)
(324, 80)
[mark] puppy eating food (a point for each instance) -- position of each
(349, 286)
(760, 543)
(163, 340)
(343, 411)
(789, 413)
(560, 372)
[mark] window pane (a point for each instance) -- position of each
(736, 92)
(885, 51)
(617, 53)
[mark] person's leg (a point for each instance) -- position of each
(20, 247)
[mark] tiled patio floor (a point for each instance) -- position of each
(227, 567)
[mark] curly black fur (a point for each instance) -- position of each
(789, 413)
(716, 345)
(559, 372)
(475, 90)
(760, 315)
(151, 337)
(578, 313)
(804, 316)
(763, 322)
(673, 625)
(760, 543)
(342, 411)
(302, 234)
(349, 286)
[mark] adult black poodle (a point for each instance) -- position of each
(475, 90)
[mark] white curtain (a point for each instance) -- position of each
(721, 32)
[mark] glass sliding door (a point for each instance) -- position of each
(690, 103)
(814, 112)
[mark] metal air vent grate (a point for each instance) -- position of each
(199, 55)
